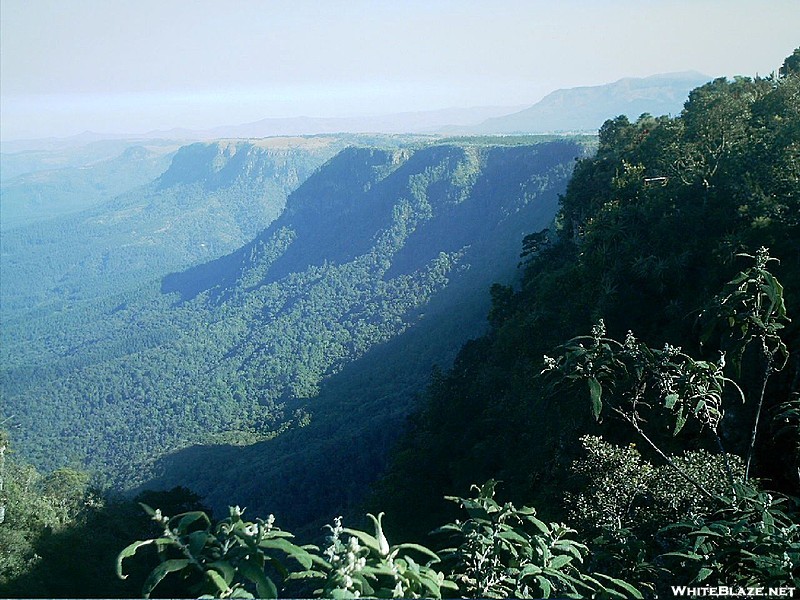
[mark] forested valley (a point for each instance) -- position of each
(626, 419)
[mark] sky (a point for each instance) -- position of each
(133, 66)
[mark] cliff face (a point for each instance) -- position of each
(317, 332)
(212, 199)
(378, 269)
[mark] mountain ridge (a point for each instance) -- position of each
(585, 108)
(243, 356)
(476, 120)
(380, 385)
(203, 205)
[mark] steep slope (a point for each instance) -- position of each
(213, 198)
(586, 108)
(369, 247)
(645, 256)
(471, 208)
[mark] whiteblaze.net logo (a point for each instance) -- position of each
(733, 591)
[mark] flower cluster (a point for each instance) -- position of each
(346, 558)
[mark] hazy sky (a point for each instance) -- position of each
(136, 65)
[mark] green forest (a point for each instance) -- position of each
(233, 351)
(628, 422)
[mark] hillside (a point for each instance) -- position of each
(650, 230)
(45, 194)
(235, 350)
(212, 198)
(586, 108)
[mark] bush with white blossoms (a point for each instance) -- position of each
(240, 559)
(359, 564)
(230, 559)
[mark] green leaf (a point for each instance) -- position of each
(225, 568)
(703, 574)
(307, 574)
(265, 588)
(421, 549)
(540, 525)
(127, 552)
(191, 517)
(370, 541)
(571, 547)
(197, 542)
(449, 585)
(700, 405)
(277, 533)
(512, 536)
(217, 580)
(680, 421)
(596, 392)
(622, 584)
(381, 569)
(530, 570)
(690, 556)
(774, 290)
(161, 571)
(559, 561)
(431, 584)
(768, 520)
(545, 586)
(705, 531)
(296, 552)
(670, 400)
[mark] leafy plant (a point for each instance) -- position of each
(506, 551)
(750, 309)
(625, 501)
(235, 558)
(216, 560)
(753, 539)
(357, 564)
(633, 381)
(742, 534)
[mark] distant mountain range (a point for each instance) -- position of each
(42, 194)
(573, 109)
(587, 108)
(431, 121)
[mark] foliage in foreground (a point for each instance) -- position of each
(711, 523)
(502, 551)
(241, 559)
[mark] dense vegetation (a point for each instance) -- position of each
(59, 534)
(45, 194)
(233, 351)
(650, 229)
(640, 384)
(212, 199)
